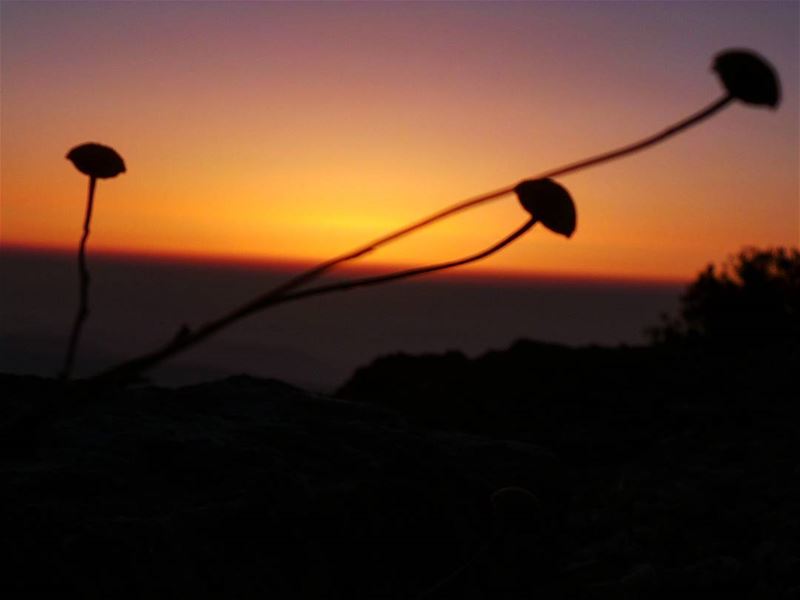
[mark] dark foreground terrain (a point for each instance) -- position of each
(650, 473)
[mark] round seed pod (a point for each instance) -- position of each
(748, 77)
(96, 160)
(549, 203)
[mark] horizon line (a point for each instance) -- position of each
(292, 266)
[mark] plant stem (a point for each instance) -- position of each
(689, 121)
(84, 280)
(132, 368)
(493, 195)
(280, 294)
(368, 281)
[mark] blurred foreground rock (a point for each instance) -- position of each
(245, 488)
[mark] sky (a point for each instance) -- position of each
(292, 132)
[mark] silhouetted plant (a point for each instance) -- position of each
(98, 162)
(745, 76)
(549, 204)
(748, 77)
(753, 300)
(545, 200)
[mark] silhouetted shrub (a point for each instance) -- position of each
(753, 299)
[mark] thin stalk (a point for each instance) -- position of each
(186, 339)
(279, 295)
(498, 193)
(83, 291)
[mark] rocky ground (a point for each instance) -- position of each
(540, 471)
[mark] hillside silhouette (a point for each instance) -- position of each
(736, 337)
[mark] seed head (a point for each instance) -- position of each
(748, 77)
(96, 160)
(549, 203)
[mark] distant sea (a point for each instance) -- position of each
(138, 304)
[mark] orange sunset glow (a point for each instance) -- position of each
(295, 132)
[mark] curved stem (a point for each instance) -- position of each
(322, 268)
(689, 121)
(495, 194)
(132, 368)
(368, 281)
(280, 294)
(83, 293)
